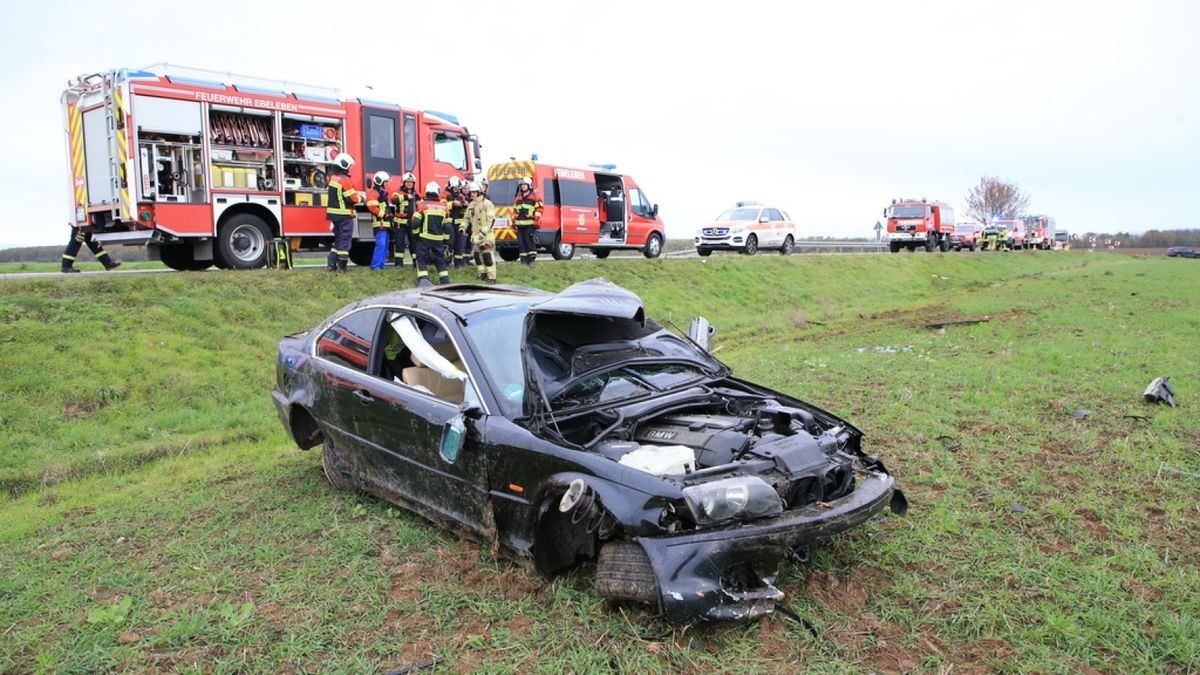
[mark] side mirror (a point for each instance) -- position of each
(454, 434)
(654, 211)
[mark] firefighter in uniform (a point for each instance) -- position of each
(527, 211)
(456, 202)
(381, 218)
(480, 213)
(402, 203)
(340, 211)
(78, 239)
(431, 223)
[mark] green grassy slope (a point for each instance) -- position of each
(157, 516)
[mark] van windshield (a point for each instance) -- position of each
(503, 192)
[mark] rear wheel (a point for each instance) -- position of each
(653, 247)
(337, 472)
(704, 252)
(788, 244)
(601, 253)
(242, 242)
(623, 572)
(751, 245)
(562, 251)
(508, 254)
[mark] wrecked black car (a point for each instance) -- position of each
(566, 427)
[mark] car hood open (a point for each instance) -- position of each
(592, 326)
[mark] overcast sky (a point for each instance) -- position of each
(829, 109)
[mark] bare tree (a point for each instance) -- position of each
(994, 197)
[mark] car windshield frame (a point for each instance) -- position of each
(631, 372)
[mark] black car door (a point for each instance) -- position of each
(343, 354)
(401, 426)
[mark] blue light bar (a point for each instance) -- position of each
(317, 99)
(207, 84)
(257, 90)
(446, 116)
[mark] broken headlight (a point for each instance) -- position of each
(743, 498)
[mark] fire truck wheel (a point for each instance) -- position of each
(601, 253)
(242, 242)
(945, 243)
(653, 247)
(788, 245)
(562, 251)
(361, 252)
(509, 254)
(894, 246)
(751, 245)
(930, 244)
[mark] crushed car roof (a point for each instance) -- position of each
(594, 296)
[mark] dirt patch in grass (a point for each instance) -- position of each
(844, 595)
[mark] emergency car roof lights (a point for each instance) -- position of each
(446, 116)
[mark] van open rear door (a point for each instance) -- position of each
(579, 208)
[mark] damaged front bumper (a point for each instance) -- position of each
(697, 571)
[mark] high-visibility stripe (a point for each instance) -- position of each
(510, 170)
(68, 257)
(79, 178)
(122, 150)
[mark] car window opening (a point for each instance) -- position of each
(427, 364)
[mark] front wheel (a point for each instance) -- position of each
(788, 245)
(242, 242)
(704, 252)
(601, 253)
(653, 247)
(751, 245)
(509, 254)
(930, 244)
(562, 251)
(945, 243)
(894, 246)
(624, 572)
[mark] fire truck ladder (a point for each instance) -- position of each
(114, 128)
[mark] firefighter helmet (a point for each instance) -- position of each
(527, 181)
(453, 182)
(343, 161)
(432, 187)
(474, 186)
(409, 178)
(381, 178)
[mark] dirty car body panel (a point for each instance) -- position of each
(566, 427)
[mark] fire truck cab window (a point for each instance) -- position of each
(909, 211)
(450, 149)
(348, 342)
(383, 137)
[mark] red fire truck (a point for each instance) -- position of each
(204, 170)
(599, 209)
(1039, 232)
(912, 223)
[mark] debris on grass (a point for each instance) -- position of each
(1017, 508)
(1167, 468)
(1160, 391)
(965, 322)
(949, 443)
(1081, 414)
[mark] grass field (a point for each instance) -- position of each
(155, 517)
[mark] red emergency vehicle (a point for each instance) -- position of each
(912, 223)
(1017, 238)
(1039, 232)
(598, 209)
(204, 170)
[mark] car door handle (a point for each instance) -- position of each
(364, 397)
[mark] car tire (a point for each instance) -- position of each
(561, 251)
(509, 254)
(242, 242)
(624, 572)
(788, 244)
(704, 252)
(334, 468)
(361, 253)
(601, 253)
(653, 247)
(751, 245)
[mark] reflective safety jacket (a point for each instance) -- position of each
(343, 195)
(381, 215)
(479, 215)
(430, 221)
(527, 209)
(456, 201)
(403, 204)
